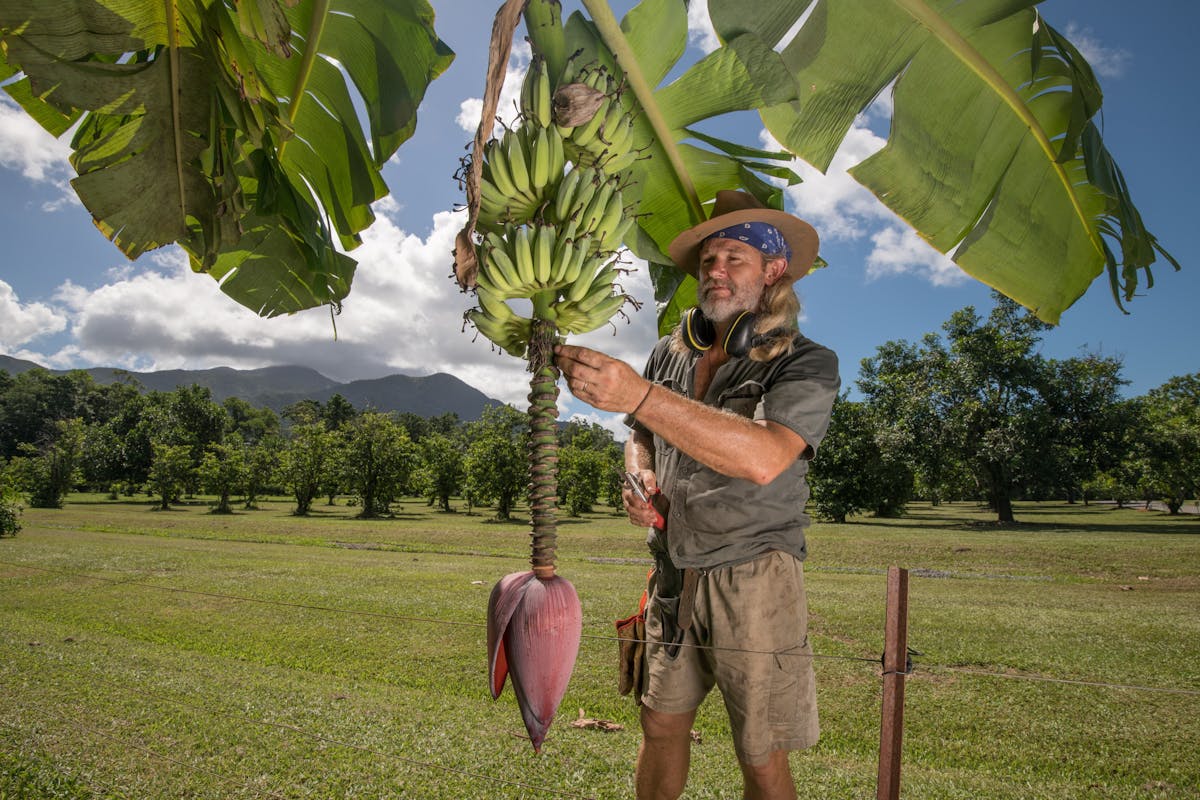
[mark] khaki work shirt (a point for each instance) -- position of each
(716, 520)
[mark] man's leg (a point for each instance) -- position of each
(769, 781)
(664, 755)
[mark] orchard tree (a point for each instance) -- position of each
(10, 501)
(378, 461)
(902, 386)
(222, 472)
(262, 464)
(995, 386)
(441, 468)
(858, 469)
(171, 471)
(1083, 397)
(495, 466)
(50, 469)
(1169, 440)
(304, 461)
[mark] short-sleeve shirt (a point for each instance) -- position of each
(716, 520)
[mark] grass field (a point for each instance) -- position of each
(181, 654)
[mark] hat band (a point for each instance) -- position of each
(762, 236)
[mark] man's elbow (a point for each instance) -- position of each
(762, 474)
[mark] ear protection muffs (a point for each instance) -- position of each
(700, 334)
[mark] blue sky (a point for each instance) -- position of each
(68, 298)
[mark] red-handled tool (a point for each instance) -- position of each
(658, 501)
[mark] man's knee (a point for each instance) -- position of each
(660, 726)
(771, 780)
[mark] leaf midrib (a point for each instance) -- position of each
(962, 49)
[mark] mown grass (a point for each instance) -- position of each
(181, 654)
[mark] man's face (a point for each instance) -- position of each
(732, 276)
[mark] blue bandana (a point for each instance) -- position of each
(760, 235)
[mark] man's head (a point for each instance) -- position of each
(746, 258)
(732, 276)
(740, 217)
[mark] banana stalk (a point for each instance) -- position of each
(551, 238)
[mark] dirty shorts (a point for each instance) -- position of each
(749, 638)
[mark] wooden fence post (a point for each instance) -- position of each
(895, 668)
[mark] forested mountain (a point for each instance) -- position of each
(279, 387)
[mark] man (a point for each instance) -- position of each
(724, 422)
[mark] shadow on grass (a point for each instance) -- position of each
(1169, 526)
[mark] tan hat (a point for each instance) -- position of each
(733, 207)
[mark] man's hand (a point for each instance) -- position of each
(600, 381)
(641, 512)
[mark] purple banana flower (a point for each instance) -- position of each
(534, 627)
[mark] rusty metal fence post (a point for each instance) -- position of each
(895, 670)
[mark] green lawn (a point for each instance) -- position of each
(181, 654)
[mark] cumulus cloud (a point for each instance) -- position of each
(900, 251)
(700, 30)
(27, 148)
(23, 322)
(510, 94)
(404, 315)
(1106, 61)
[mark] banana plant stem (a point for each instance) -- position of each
(614, 38)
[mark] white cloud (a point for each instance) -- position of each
(837, 205)
(700, 29)
(20, 323)
(404, 314)
(1106, 61)
(900, 251)
(27, 147)
(510, 94)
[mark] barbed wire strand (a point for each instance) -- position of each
(396, 617)
(430, 620)
(1048, 679)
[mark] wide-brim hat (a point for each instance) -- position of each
(732, 208)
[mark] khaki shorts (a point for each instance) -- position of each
(749, 638)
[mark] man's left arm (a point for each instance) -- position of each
(754, 450)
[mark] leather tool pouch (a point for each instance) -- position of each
(631, 651)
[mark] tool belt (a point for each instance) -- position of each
(674, 598)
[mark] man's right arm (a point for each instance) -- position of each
(639, 459)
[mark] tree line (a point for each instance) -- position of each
(60, 433)
(975, 412)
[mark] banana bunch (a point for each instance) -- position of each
(532, 259)
(521, 172)
(605, 140)
(548, 237)
(569, 274)
(592, 203)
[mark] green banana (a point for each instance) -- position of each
(522, 253)
(543, 253)
(583, 134)
(517, 162)
(566, 190)
(539, 152)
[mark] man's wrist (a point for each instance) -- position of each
(642, 402)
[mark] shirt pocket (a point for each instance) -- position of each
(743, 399)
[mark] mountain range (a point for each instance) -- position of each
(279, 387)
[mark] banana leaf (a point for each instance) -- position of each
(229, 128)
(682, 169)
(993, 155)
